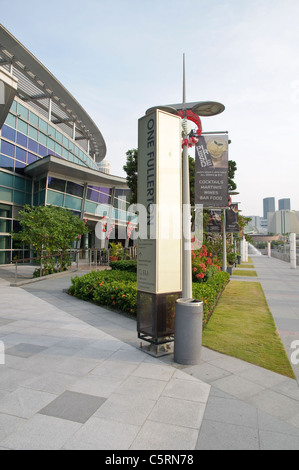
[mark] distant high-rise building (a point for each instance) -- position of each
(284, 204)
(269, 206)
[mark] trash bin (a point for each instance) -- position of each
(188, 331)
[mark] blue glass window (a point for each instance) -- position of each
(21, 154)
(8, 133)
(6, 163)
(21, 139)
(56, 183)
(43, 151)
(74, 189)
(19, 167)
(92, 195)
(32, 145)
(7, 148)
(31, 158)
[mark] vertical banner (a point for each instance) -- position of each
(232, 218)
(211, 171)
(214, 222)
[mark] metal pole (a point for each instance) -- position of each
(186, 236)
(224, 242)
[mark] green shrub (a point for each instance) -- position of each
(118, 289)
(124, 265)
(209, 292)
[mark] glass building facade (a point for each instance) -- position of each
(43, 162)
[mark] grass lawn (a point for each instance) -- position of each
(244, 265)
(244, 272)
(242, 326)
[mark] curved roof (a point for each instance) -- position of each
(36, 85)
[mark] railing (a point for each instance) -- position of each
(80, 259)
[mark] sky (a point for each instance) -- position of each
(120, 58)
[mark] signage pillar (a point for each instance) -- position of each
(159, 204)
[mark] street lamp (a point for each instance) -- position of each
(188, 111)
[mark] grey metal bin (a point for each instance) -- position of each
(188, 331)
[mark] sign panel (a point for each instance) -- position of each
(159, 195)
(211, 171)
(232, 218)
(214, 222)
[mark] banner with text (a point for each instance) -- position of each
(211, 171)
(232, 218)
(214, 223)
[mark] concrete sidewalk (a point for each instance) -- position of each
(75, 378)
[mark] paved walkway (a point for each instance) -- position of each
(75, 377)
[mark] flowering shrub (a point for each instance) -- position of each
(118, 290)
(204, 265)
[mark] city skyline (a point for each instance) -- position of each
(118, 62)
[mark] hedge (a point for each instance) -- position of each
(118, 289)
(124, 265)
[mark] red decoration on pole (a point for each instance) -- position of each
(188, 114)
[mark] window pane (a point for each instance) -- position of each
(5, 180)
(59, 136)
(11, 120)
(55, 198)
(21, 139)
(74, 189)
(19, 167)
(43, 151)
(5, 226)
(31, 158)
(5, 211)
(72, 202)
(21, 154)
(8, 133)
(7, 148)
(51, 131)
(19, 197)
(33, 132)
(93, 195)
(32, 145)
(51, 144)
(104, 199)
(43, 125)
(6, 163)
(23, 111)
(42, 138)
(22, 126)
(57, 184)
(5, 257)
(33, 118)
(19, 183)
(5, 194)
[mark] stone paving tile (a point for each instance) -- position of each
(41, 433)
(215, 435)
(162, 436)
(99, 433)
(24, 402)
(73, 406)
(122, 408)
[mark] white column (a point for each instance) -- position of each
(293, 255)
(269, 249)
